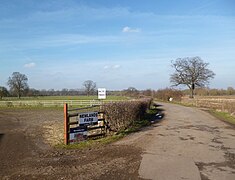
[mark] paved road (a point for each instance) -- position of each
(188, 144)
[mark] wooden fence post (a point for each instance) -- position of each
(66, 124)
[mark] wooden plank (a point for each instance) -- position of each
(72, 123)
(88, 107)
(73, 115)
(95, 127)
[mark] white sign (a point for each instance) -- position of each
(88, 117)
(101, 93)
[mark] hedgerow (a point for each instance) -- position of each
(120, 115)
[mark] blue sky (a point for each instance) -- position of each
(61, 43)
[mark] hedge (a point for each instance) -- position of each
(120, 115)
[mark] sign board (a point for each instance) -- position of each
(87, 118)
(77, 134)
(101, 93)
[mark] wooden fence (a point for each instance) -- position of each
(88, 124)
(53, 103)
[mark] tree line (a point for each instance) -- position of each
(18, 86)
(191, 72)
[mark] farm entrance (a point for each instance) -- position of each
(85, 123)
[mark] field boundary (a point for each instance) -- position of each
(224, 105)
(54, 103)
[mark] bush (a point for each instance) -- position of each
(165, 94)
(120, 115)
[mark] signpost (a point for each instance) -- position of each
(101, 93)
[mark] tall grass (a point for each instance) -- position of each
(218, 104)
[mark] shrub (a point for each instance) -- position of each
(120, 115)
(165, 94)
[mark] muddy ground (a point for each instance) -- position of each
(27, 151)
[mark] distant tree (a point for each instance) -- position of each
(192, 72)
(148, 92)
(64, 92)
(230, 91)
(18, 83)
(131, 91)
(32, 92)
(3, 92)
(90, 87)
(167, 93)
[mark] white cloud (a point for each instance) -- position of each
(130, 30)
(30, 65)
(116, 66)
(106, 67)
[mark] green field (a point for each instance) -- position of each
(55, 101)
(63, 98)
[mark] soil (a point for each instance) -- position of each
(187, 144)
(27, 151)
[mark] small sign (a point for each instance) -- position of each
(88, 118)
(77, 134)
(101, 93)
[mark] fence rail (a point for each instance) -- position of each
(54, 103)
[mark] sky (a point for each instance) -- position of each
(117, 44)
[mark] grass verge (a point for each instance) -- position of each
(223, 116)
(91, 143)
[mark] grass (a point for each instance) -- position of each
(62, 98)
(39, 104)
(92, 143)
(223, 116)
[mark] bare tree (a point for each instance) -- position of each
(90, 87)
(191, 72)
(18, 83)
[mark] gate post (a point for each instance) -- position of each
(66, 124)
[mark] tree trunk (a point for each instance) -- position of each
(192, 93)
(19, 95)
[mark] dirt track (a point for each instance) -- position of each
(187, 144)
(24, 155)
